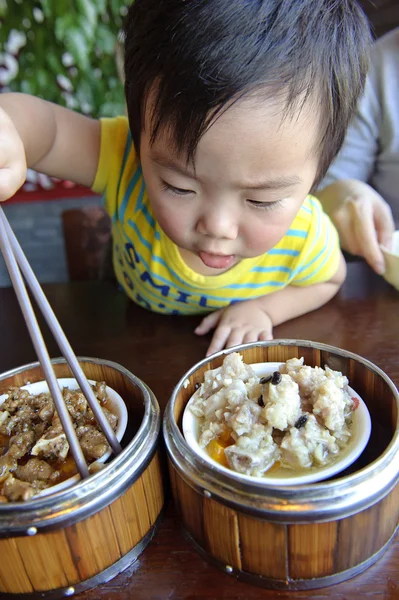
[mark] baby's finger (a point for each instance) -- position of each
(236, 337)
(366, 235)
(251, 336)
(209, 322)
(265, 336)
(219, 339)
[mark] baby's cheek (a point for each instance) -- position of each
(171, 221)
(261, 238)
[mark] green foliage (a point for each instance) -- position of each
(69, 52)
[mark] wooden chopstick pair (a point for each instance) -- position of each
(16, 262)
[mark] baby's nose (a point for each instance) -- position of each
(219, 225)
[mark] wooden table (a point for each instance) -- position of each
(100, 322)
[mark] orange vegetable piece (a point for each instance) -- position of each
(216, 447)
(274, 467)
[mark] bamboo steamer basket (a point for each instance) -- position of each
(78, 538)
(299, 537)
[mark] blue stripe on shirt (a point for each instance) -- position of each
(318, 255)
(270, 269)
(140, 206)
(143, 241)
(149, 247)
(315, 239)
(306, 209)
(128, 193)
(240, 286)
(169, 303)
(326, 258)
(128, 147)
(297, 233)
(283, 252)
(323, 261)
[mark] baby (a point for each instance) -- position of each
(235, 110)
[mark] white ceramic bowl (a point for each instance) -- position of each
(361, 429)
(118, 408)
(392, 261)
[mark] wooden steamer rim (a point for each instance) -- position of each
(311, 503)
(89, 496)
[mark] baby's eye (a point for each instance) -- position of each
(263, 205)
(175, 190)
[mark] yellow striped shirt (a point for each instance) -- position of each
(148, 264)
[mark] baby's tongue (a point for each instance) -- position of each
(216, 261)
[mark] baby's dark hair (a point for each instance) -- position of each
(197, 57)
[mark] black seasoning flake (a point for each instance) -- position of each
(267, 379)
(301, 421)
(276, 378)
(260, 401)
(196, 386)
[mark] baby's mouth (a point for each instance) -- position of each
(217, 261)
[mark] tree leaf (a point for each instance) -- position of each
(47, 7)
(76, 43)
(106, 39)
(74, 26)
(63, 25)
(89, 10)
(88, 18)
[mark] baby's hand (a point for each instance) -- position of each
(363, 219)
(236, 324)
(12, 158)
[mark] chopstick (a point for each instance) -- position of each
(15, 260)
(40, 347)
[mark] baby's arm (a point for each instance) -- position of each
(45, 137)
(362, 217)
(253, 320)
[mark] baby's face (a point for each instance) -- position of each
(253, 170)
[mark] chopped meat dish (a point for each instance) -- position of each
(34, 450)
(297, 418)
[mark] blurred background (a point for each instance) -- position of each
(64, 51)
(68, 51)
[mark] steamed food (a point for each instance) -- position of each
(34, 450)
(297, 418)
